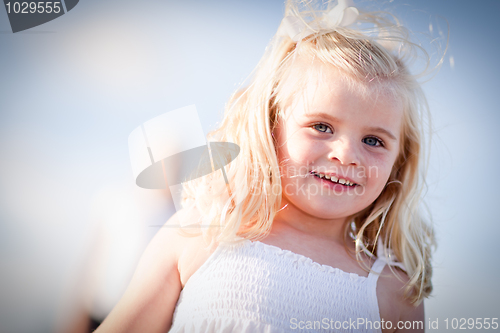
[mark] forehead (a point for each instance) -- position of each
(311, 87)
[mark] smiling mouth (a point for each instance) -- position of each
(333, 179)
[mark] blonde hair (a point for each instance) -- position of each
(374, 58)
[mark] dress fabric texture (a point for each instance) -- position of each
(255, 287)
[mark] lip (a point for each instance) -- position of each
(338, 176)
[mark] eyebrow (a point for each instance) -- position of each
(337, 120)
(382, 130)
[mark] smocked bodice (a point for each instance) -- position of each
(254, 287)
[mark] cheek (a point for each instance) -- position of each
(379, 170)
(296, 148)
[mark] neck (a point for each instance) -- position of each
(292, 219)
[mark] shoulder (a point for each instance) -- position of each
(190, 248)
(169, 243)
(393, 306)
(180, 244)
(149, 301)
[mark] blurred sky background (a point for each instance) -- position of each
(73, 89)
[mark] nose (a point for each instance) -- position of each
(345, 151)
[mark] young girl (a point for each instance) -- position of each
(318, 227)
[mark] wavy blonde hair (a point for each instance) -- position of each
(373, 56)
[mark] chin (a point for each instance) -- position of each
(326, 211)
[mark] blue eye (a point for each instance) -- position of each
(322, 128)
(373, 141)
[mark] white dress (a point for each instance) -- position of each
(255, 287)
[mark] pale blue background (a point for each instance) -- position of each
(73, 89)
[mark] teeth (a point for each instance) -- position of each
(335, 179)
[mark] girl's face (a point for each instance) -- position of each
(336, 147)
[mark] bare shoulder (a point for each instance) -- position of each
(186, 244)
(149, 301)
(169, 243)
(393, 306)
(194, 249)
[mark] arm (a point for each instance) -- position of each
(394, 307)
(149, 301)
(413, 315)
